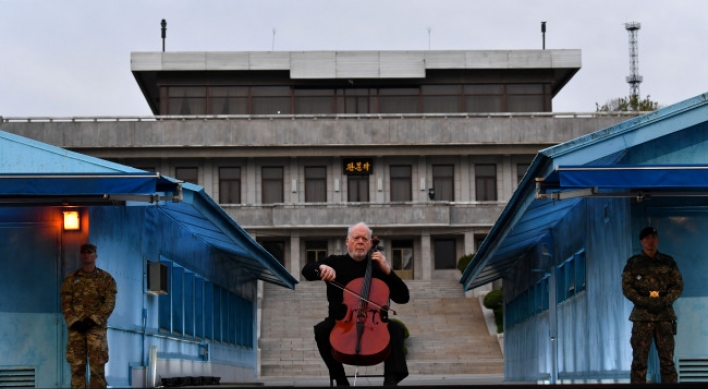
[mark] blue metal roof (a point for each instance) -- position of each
(526, 218)
(35, 173)
(202, 217)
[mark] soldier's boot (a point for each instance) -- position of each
(98, 376)
(78, 375)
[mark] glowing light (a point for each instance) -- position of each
(72, 222)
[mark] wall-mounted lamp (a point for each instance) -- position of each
(431, 193)
(72, 221)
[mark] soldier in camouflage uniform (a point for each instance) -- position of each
(88, 297)
(652, 281)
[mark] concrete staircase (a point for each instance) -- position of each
(448, 332)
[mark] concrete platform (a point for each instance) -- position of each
(413, 380)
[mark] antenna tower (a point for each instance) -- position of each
(634, 79)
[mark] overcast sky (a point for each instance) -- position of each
(72, 57)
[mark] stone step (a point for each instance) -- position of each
(448, 332)
(415, 367)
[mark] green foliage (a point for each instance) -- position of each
(628, 104)
(406, 333)
(464, 262)
(494, 301)
(499, 319)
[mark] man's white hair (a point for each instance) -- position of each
(349, 231)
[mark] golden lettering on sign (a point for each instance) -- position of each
(358, 166)
(354, 166)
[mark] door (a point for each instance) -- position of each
(402, 258)
(682, 235)
(32, 348)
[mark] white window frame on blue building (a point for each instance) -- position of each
(196, 309)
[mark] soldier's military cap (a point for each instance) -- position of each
(88, 247)
(647, 231)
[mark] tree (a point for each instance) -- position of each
(628, 104)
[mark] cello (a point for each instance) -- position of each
(361, 337)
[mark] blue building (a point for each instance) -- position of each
(186, 272)
(561, 243)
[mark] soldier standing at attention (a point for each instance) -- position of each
(652, 281)
(88, 297)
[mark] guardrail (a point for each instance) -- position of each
(556, 115)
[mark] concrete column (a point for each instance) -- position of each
(465, 176)
(422, 182)
(250, 171)
(380, 174)
(337, 180)
(426, 256)
(469, 243)
(294, 184)
(295, 256)
(506, 178)
(211, 178)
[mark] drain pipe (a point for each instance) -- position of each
(152, 368)
(553, 324)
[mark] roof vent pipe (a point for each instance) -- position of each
(163, 23)
(543, 34)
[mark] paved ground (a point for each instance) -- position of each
(422, 380)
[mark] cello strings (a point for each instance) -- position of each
(344, 288)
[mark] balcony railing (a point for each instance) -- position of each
(398, 214)
(35, 119)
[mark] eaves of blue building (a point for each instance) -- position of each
(186, 272)
(562, 242)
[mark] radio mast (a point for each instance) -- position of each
(634, 79)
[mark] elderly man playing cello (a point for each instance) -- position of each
(340, 270)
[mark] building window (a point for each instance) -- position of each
(314, 101)
(358, 188)
(276, 248)
(445, 256)
(272, 185)
(478, 240)
(486, 182)
(529, 303)
(315, 250)
(521, 169)
(525, 97)
(270, 100)
(316, 184)
(402, 258)
(199, 305)
(441, 98)
(208, 310)
(196, 308)
(356, 100)
(484, 98)
(228, 100)
(187, 174)
(230, 185)
(398, 100)
(401, 187)
(443, 179)
(570, 277)
(284, 99)
(218, 315)
(186, 100)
